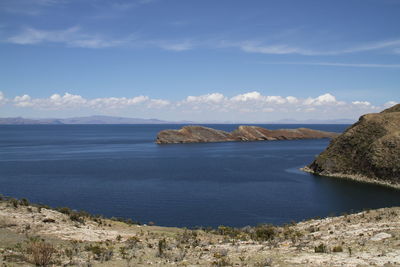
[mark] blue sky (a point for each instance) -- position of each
(199, 60)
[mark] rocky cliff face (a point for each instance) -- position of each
(369, 150)
(200, 134)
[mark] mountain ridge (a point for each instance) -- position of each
(101, 119)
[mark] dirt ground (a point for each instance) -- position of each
(30, 234)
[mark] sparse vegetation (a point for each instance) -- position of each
(321, 248)
(116, 243)
(41, 251)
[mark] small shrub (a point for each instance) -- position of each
(14, 202)
(337, 249)
(76, 217)
(24, 202)
(65, 210)
(321, 248)
(264, 232)
(162, 245)
(42, 252)
(132, 242)
(100, 253)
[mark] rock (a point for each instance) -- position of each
(380, 236)
(369, 150)
(201, 134)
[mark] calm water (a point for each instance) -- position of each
(118, 170)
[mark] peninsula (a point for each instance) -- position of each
(368, 151)
(201, 134)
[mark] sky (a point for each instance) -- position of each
(208, 60)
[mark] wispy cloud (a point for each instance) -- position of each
(76, 37)
(282, 49)
(28, 7)
(336, 64)
(73, 37)
(174, 45)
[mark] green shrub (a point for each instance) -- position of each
(337, 249)
(264, 232)
(162, 246)
(64, 210)
(24, 202)
(76, 218)
(321, 248)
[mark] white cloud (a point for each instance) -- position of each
(158, 103)
(213, 98)
(208, 105)
(251, 96)
(325, 99)
(292, 99)
(275, 99)
(361, 103)
(23, 101)
(280, 49)
(390, 104)
(336, 64)
(3, 98)
(284, 49)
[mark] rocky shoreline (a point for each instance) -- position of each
(354, 177)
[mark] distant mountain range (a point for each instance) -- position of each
(122, 120)
(87, 120)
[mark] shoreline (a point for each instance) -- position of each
(353, 177)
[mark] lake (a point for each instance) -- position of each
(118, 170)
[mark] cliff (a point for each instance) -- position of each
(201, 134)
(369, 150)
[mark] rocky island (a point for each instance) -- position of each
(367, 151)
(201, 134)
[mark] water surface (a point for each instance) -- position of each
(118, 170)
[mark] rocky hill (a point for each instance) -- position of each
(201, 134)
(368, 151)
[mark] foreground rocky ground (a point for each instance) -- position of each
(32, 234)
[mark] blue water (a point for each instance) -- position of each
(118, 170)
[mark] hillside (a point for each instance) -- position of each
(369, 150)
(32, 234)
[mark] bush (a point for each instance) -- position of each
(321, 249)
(100, 253)
(76, 217)
(14, 202)
(264, 232)
(24, 202)
(42, 252)
(162, 245)
(337, 249)
(65, 210)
